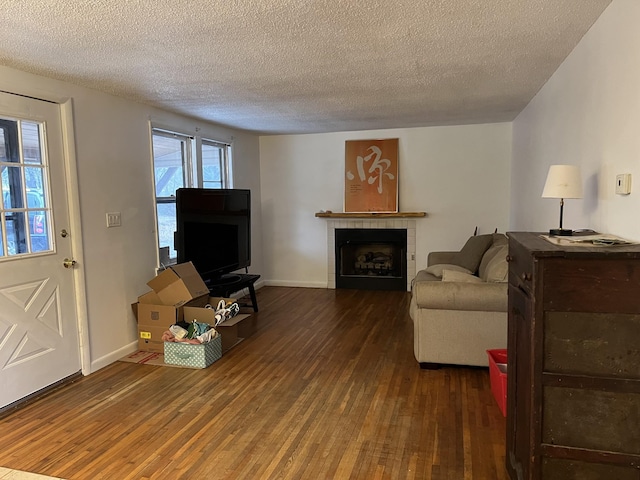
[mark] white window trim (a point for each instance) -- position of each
(192, 175)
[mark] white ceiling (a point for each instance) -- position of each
(303, 66)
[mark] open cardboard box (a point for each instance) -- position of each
(156, 311)
(233, 330)
(154, 319)
(178, 284)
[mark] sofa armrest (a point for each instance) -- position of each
(486, 297)
(437, 258)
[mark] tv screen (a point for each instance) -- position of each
(214, 230)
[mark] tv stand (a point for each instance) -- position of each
(223, 280)
(228, 284)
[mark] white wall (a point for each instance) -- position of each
(588, 114)
(459, 175)
(113, 150)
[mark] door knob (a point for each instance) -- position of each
(68, 263)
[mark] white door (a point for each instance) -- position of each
(38, 328)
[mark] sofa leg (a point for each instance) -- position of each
(430, 366)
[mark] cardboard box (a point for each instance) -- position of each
(156, 311)
(247, 326)
(150, 338)
(232, 330)
(154, 318)
(178, 284)
(189, 355)
(213, 301)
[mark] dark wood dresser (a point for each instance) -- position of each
(573, 402)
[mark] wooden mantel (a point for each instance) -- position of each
(370, 215)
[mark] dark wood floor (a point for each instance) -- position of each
(328, 388)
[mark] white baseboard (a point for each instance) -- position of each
(288, 283)
(108, 359)
(281, 283)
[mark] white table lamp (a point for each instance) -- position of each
(563, 181)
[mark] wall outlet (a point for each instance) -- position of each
(623, 184)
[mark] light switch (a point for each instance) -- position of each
(623, 184)
(114, 219)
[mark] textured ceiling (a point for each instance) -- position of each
(295, 66)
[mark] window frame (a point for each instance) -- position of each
(192, 174)
(224, 162)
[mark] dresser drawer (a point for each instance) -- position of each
(592, 344)
(599, 420)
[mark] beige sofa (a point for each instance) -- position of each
(459, 303)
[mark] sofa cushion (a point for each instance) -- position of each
(471, 254)
(455, 276)
(495, 268)
(436, 270)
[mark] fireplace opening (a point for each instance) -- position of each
(371, 258)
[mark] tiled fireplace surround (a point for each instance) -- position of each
(402, 223)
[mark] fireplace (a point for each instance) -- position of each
(401, 221)
(398, 223)
(371, 258)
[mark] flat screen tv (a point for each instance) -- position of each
(214, 231)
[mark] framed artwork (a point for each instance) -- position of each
(371, 176)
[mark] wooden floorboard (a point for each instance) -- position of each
(327, 388)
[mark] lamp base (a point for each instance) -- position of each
(560, 232)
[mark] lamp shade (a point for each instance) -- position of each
(563, 181)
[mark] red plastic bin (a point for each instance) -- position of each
(498, 377)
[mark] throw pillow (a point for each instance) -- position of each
(436, 270)
(498, 268)
(489, 255)
(471, 254)
(455, 276)
(500, 239)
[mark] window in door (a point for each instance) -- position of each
(181, 160)
(24, 201)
